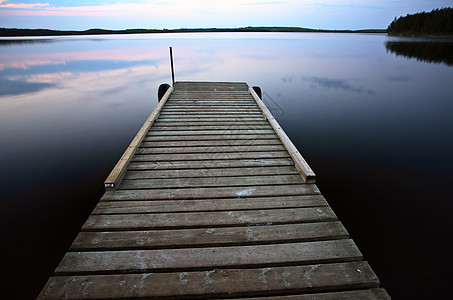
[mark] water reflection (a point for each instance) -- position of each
(425, 51)
(15, 42)
(365, 120)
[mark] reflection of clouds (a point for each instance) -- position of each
(26, 61)
(329, 84)
(18, 87)
(400, 78)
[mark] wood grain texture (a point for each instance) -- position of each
(215, 282)
(206, 237)
(209, 164)
(208, 219)
(210, 156)
(211, 149)
(196, 182)
(228, 204)
(210, 143)
(212, 173)
(186, 259)
(368, 294)
(213, 192)
(209, 137)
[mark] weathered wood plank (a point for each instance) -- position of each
(203, 123)
(181, 106)
(210, 149)
(207, 164)
(210, 156)
(211, 143)
(369, 294)
(210, 115)
(214, 120)
(219, 172)
(209, 137)
(208, 219)
(194, 182)
(161, 206)
(220, 100)
(211, 132)
(216, 87)
(222, 236)
(215, 283)
(190, 127)
(209, 109)
(212, 193)
(128, 261)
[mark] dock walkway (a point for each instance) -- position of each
(212, 200)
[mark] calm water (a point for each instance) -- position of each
(371, 114)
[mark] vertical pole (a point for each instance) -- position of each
(172, 69)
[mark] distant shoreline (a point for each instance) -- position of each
(20, 32)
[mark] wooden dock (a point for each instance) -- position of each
(212, 200)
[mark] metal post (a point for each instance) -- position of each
(172, 69)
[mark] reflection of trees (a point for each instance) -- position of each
(431, 52)
(5, 43)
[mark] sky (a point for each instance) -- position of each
(173, 14)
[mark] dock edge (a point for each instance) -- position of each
(301, 164)
(116, 175)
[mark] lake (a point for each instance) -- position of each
(371, 114)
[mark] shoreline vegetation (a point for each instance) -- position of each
(18, 32)
(438, 22)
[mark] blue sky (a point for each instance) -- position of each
(123, 14)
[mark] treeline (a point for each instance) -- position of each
(436, 22)
(10, 32)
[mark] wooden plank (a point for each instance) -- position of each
(214, 120)
(218, 172)
(210, 114)
(209, 137)
(208, 219)
(217, 87)
(219, 102)
(223, 236)
(212, 193)
(211, 149)
(369, 294)
(177, 123)
(180, 106)
(206, 109)
(212, 132)
(217, 143)
(229, 204)
(304, 169)
(215, 283)
(207, 164)
(194, 182)
(212, 127)
(128, 261)
(115, 176)
(210, 156)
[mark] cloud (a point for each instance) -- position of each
(340, 84)
(23, 5)
(18, 87)
(265, 3)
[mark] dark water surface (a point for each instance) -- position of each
(372, 115)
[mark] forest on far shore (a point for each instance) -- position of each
(437, 22)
